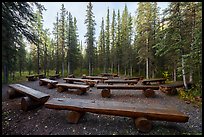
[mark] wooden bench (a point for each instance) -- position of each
(142, 115)
(40, 76)
(109, 75)
(129, 82)
(135, 78)
(31, 77)
(54, 77)
(33, 97)
(148, 90)
(49, 83)
(95, 77)
(81, 89)
(153, 81)
(89, 82)
(170, 89)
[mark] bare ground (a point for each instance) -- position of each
(44, 121)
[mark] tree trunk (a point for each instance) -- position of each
(131, 70)
(147, 68)
(183, 73)
(174, 72)
(5, 74)
(38, 61)
(68, 68)
(118, 69)
(89, 68)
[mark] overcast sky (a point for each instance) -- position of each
(78, 10)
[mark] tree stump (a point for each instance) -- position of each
(143, 125)
(105, 93)
(60, 89)
(27, 103)
(149, 93)
(50, 85)
(74, 116)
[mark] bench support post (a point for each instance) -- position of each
(50, 85)
(12, 93)
(27, 103)
(74, 116)
(105, 93)
(143, 124)
(149, 92)
(60, 89)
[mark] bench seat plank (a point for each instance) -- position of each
(36, 95)
(121, 81)
(155, 87)
(116, 108)
(49, 81)
(73, 86)
(80, 80)
(158, 80)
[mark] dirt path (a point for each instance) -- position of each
(43, 121)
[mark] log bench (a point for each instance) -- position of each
(33, 98)
(134, 78)
(31, 77)
(81, 89)
(109, 75)
(95, 77)
(54, 77)
(142, 115)
(148, 90)
(129, 82)
(40, 76)
(153, 81)
(89, 82)
(49, 83)
(170, 89)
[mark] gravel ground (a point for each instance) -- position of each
(44, 121)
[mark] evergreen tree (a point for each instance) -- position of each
(90, 39)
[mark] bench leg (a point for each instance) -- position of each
(41, 83)
(143, 124)
(149, 92)
(27, 103)
(60, 89)
(13, 94)
(171, 91)
(105, 93)
(50, 85)
(91, 84)
(74, 116)
(80, 91)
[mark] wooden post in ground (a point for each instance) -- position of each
(74, 116)
(27, 103)
(149, 93)
(105, 93)
(143, 124)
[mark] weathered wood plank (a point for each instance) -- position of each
(95, 77)
(34, 94)
(123, 87)
(156, 80)
(73, 86)
(121, 81)
(117, 109)
(45, 80)
(80, 80)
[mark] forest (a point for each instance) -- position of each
(149, 44)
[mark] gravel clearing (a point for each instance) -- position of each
(44, 121)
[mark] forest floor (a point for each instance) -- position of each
(44, 121)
